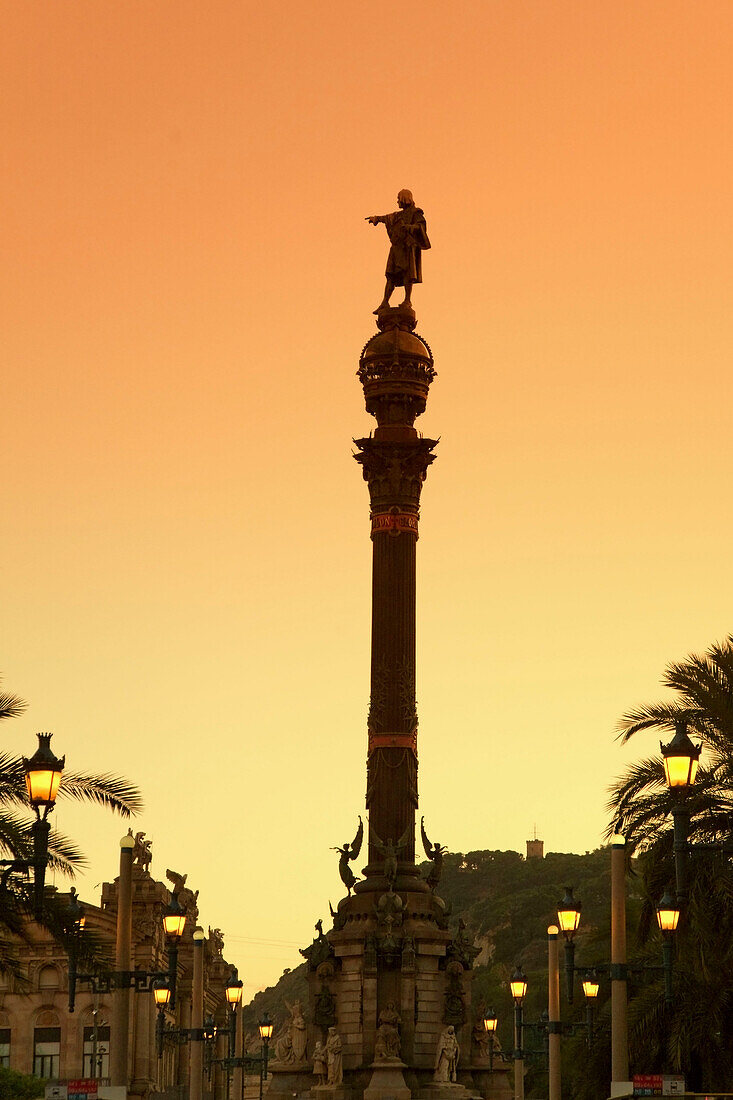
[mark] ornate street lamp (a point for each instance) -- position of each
(162, 997)
(174, 922)
(234, 989)
(591, 986)
(568, 914)
(42, 778)
(518, 986)
(174, 918)
(668, 914)
(233, 995)
(568, 917)
(490, 1024)
(265, 1027)
(161, 992)
(681, 757)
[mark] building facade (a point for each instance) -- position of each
(39, 1035)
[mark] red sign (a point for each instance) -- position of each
(86, 1086)
(647, 1084)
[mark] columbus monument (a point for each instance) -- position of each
(390, 1014)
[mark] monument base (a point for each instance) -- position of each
(387, 1081)
(445, 1090)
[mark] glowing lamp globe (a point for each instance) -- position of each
(568, 914)
(174, 919)
(668, 914)
(161, 992)
(518, 985)
(234, 989)
(681, 758)
(590, 986)
(43, 773)
(490, 1020)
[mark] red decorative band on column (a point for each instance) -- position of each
(394, 522)
(393, 741)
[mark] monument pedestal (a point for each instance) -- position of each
(387, 1081)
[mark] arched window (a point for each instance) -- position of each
(96, 1048)
(47, 1044)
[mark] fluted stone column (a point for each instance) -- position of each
(396, 369)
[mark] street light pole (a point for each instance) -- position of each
(518, 986)
(265, 1028)
(553, 1011)
(619, 1022)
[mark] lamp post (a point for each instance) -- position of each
(518, 986)
(265, 1028)
(668, 914)
(568, 918)
(42, 778)
(162, 998)
(590, 989)
(174, 923)
(490, 1024)
(233, 996)
(681, 759)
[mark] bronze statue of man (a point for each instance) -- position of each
(408, 237)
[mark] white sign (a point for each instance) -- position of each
(56, 1092)
(673, 1086)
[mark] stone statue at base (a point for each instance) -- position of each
(446, 1057)
(334, 1058)
(387, 1045)
(320, 1063)
(298, 1031)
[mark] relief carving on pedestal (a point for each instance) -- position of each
(454, 1011)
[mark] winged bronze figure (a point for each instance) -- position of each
(391, 851)
(350, 852)
(434, 853)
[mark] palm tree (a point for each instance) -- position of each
(695, 1034)
(640, 800)
(16, 823)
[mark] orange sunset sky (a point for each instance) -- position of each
(188, 281)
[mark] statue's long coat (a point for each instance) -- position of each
(404, 263)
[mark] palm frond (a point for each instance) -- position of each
(112, 791)
(11, 706)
